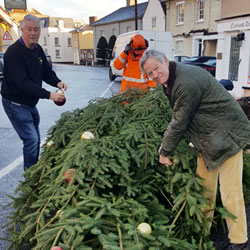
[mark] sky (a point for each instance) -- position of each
(79, 9)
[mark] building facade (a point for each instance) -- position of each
(193, 25)
(83, 45)
(233, 50)
(154, 17)
(56, 38)
(118, 22)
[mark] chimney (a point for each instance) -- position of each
(130, 2)
(92, 19)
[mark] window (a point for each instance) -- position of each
(42, 23)
(154, 23)
(129, 28)
(179, 47)
(77, 24)
(180, 12)
(57, 41)
(60, 24)
(57, 53)
(200, 9)
(102, 32)
(234, 59)
(69, 42)
(44, 40)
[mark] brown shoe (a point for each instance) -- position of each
(232, 246)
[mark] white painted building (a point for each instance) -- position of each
(233, 53)
(155, 16)
(56, 38)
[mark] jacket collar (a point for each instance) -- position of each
(169, 84)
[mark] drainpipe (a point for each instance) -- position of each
(136, 27)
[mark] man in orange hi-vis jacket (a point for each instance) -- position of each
(129, 61)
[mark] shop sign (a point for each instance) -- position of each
(237, 25)
(240, 25)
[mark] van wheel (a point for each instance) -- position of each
(111, 76)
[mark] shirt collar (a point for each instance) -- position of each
(22, 42)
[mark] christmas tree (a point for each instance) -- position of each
(92, 190)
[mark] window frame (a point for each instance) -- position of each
(200, 10)
(177, 48)
(153, 22)
(234, 59)
(58, 55)
(179, 15)
(44, 41)
(57, 41)
(69, 43)
(128, 28)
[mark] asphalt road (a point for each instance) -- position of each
(84, 83)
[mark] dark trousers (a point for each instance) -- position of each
(25, 121)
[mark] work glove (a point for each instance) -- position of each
(127, 48)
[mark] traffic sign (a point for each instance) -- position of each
(7, 36)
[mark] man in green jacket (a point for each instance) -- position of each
(217, 127)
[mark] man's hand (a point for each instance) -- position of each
(165, 160)
(127, 48)
(56, 97)
(62, 85)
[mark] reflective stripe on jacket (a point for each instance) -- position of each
(132, 75)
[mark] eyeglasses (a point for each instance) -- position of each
(139, 49)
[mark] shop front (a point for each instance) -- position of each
(233, 53)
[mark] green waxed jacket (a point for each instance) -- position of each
(203, 108)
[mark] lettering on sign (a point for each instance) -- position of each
(240, 25)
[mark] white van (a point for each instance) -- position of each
(158, 40)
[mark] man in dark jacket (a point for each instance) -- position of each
(216, 126)
(25, 67)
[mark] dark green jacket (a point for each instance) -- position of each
(206, 111)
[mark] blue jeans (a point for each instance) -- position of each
(25, 121)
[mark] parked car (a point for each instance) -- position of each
(49, 59)
(1, 65)
(181, 58)
(1, 69)
(206, 62)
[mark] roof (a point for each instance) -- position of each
(53, 22)
(163, 5)
(123, 14)
(68, 22)
(46, 21)
(19, 14)
(83, 28)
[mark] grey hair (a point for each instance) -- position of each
(157, 55)
(30, 18)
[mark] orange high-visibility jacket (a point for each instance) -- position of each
(132, 74)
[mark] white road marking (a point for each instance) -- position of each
(14, 164)
(19, 160)
(11, 166)
(107, 89)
